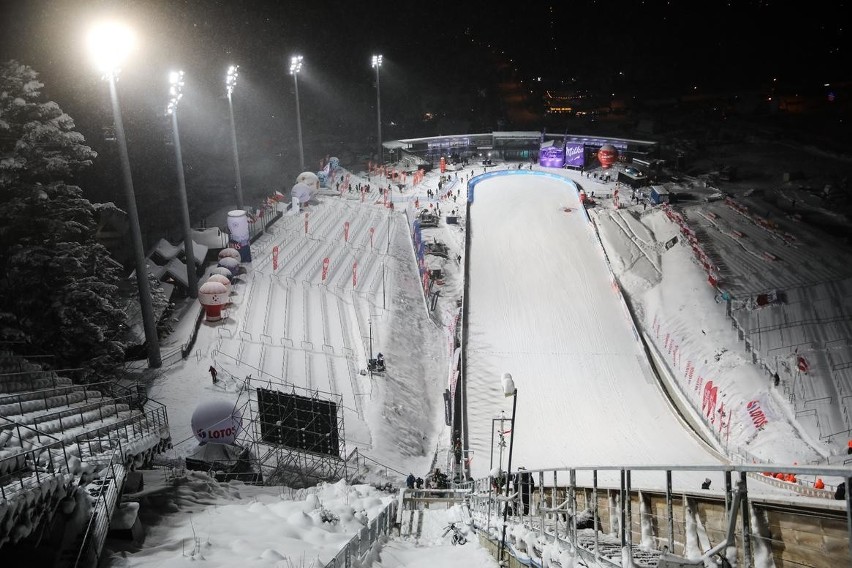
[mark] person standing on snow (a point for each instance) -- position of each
(409, 481)
(525, 486)
(213, 373)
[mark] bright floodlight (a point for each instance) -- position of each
(508, 384)
(295, 64)
(231, 79)
(109, 45)
(175, 90)
(377, 61)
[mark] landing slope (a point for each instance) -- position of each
(542, 307)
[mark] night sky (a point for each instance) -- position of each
(652, 46)
(446, 68)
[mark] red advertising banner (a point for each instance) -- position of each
(346, 231)
(275, 257)
(758, 417)
(354, 273)
(306, 223)
(708, 386)
(325, 262)
(711, 404)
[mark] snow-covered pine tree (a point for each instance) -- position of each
(58, 285)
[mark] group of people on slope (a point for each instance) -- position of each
(412, 482)
(435, 480)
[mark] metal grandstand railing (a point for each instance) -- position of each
(29, 468)
(13, 483)
(105, 492)
(658, 523)
(49, 396)
(112, 455)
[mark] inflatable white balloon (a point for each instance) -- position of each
(213, 296)
(221, 279)
(302, 192)
(216, 422)
(213, 293)
(229, 253)
(310, 179)
(231, 264)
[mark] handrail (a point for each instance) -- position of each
(56, 389)
(37, 432)
(357, 453)
(734, 493)
(157, 417)
(186, 348)
(33, 454)
(141, 392)
(96, 526)
(361, 543)
(37, 371)
(61, 413)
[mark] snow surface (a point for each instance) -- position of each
(544, 305)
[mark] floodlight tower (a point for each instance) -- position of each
(230, 83)
(109, 45)
(295, 67)
(175, 94)
(377, 64)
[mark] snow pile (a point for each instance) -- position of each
(263, 525)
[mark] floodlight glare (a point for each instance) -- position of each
(295, 67)
(377, 63)
(230, 83)
(175, 94)
(175, 90)
(231, 79)
(110, 43)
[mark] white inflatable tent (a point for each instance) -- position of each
(302, 192)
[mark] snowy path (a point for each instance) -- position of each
(542, 307)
